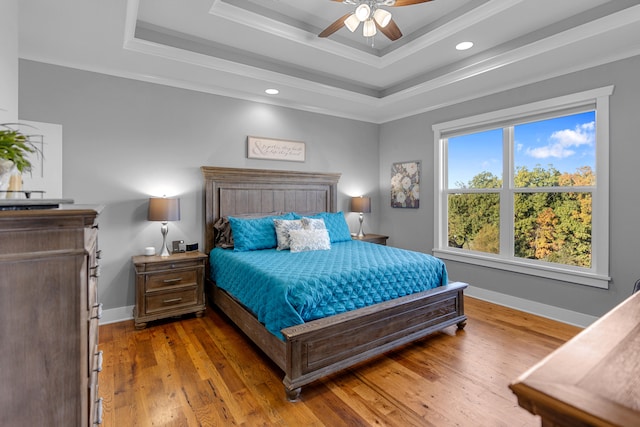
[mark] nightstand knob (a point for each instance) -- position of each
(173, 266)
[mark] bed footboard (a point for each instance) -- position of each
(322, 347)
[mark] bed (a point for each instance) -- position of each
(314, 349)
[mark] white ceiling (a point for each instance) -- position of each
(239, 48)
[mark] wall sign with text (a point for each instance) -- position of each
(275, 149)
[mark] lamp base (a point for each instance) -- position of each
(164, 251)
(360, 232)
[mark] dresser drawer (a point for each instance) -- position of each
(92, 346)
(95, 402)
(163, 301)
(171, 279)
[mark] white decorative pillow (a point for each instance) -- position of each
(309, 240)
(313, 223)
(283, 227)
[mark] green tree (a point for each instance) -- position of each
(549, 225)
(471, 212)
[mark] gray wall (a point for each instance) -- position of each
(124, 140)
(412, 139)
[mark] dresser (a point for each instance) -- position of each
(593, 379)
(168, 286)
(49, 359)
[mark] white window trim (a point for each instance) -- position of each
(598, 274)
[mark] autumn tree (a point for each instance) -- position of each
(549, 225)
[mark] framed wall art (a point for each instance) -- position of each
(405, 184)
(275, 149)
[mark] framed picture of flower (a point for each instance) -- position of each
(405, 185)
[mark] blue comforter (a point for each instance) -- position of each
(285, 289)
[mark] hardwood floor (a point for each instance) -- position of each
(204, 372)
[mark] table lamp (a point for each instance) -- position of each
(164, 209)
(363, 205)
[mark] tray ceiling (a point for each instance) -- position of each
(239, 48)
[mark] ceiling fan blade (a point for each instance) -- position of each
(392, 31)
(408, 2)
(339, 23)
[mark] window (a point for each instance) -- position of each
(526, 189)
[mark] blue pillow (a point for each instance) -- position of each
(250, 234)
(336, 225)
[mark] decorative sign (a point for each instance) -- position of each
(405, 185)
(275, 149)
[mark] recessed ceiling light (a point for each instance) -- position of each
(272, 91)
(464, 45)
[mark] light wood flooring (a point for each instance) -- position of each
(204, 372)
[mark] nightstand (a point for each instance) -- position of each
(372, 238)
(168, 286)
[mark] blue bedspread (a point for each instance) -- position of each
(285, 289)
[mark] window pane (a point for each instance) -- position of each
(474, 222)
(553, 227)
(475, 160)
(556, 152)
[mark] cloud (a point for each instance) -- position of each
(563, 143)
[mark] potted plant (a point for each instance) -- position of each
(15, 148)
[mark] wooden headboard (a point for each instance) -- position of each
(232, 191)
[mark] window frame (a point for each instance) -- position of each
(598, 274)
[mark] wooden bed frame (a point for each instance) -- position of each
(321, 347)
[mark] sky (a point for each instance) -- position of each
(566, 143)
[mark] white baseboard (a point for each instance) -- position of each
(560, 314)
(118, 314)
(544, 310)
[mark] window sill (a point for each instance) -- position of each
(546, 271)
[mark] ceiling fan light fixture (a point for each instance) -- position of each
(363, 12)
(369, 29)
(382, 17)
(352, 22)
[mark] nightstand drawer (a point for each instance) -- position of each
(169, 264)
(171, 278)
(161, 301)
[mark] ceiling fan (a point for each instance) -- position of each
(372, 16)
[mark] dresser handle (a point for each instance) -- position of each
(98, 308)
(96, 271)
(179, 279)
(99, 254)
(98, 414)
(171, 301)
(99, 367)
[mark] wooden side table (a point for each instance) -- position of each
(168, 286)
(372, 238)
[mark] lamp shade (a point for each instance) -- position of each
(369, 29)
(363, 12)
(164, 209)
(352, 22)
(382, 17)
(361, 204)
